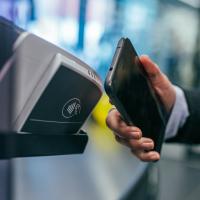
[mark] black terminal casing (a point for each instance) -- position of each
(46, 96)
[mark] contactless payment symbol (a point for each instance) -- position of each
(71, 108)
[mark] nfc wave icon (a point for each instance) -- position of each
(71, 108)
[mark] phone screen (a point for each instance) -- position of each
(134, 97)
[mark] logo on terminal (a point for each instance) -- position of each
(71, 108)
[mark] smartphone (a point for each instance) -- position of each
(129, 89)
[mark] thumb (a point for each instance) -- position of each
(153, 72)
(160, 83)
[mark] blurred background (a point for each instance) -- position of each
(166, 30)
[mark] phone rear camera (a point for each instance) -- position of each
(111, 69)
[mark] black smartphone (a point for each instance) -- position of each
(129, 89)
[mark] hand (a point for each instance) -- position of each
(131, 136)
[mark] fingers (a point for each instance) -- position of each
(141, 148)
(131, 137)
(115, 123)
(143, 144)
(150, 156)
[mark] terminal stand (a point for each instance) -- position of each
(27, 145)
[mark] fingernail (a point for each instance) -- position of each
(147, 145)
(135, 134)
(148, 142)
